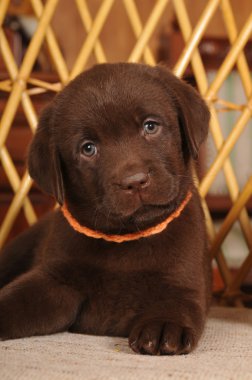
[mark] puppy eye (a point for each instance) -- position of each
(151, 127)
(89, 149)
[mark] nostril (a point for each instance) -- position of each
(137, 181)
(143, 182)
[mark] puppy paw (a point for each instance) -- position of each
(162, 338)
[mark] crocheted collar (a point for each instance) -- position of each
(126, 237)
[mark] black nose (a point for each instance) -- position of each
(135, 182)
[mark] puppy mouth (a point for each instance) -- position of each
(147, 213)
(152, 212)
(141, 210)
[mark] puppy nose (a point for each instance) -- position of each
(135, 182)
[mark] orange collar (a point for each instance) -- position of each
(127, 237)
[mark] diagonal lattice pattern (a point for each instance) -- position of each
(21, 87)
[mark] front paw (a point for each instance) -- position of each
(162, 338)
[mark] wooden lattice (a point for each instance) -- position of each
(21, 87)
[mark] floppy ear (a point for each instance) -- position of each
(43, 159)
(193, 113)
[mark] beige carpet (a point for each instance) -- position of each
(225, 352)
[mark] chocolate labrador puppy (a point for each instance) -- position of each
(126, 254)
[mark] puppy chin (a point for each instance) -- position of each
(152, 214)
(144, 215)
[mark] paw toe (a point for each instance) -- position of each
(162, 338)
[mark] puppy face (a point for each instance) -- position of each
(116, 145)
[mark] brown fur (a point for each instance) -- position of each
(156, 290)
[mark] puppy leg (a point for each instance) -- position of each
(174, 331)
(36, 304)
(17, 256)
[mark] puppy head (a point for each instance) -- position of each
(116, 145)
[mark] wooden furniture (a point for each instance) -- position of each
(17, 143)
(20, 136)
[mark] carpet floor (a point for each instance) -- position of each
(224, 352)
